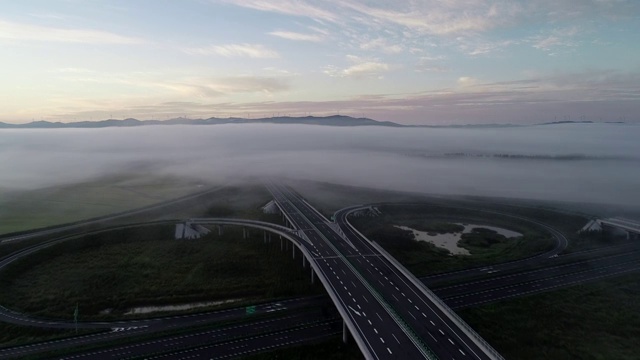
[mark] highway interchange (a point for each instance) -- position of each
(497, 282)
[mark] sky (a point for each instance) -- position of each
(434, 62)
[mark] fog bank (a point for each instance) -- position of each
(597, 163)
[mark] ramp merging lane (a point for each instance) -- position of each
(399, 303)
(379, 332)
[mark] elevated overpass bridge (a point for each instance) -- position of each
(631, 227)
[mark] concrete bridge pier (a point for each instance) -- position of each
(294, 251)
(304, 262)
(220, 230)
(313, 277)
(265, 236)
(345, 332)
(244, 232)
(281, 244)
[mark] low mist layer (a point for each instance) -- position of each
(598, 163)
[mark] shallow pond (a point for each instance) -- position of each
(449, 241)
(181, 307)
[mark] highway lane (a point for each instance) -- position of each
(550, 273)
(425, 319)
(536, 286)
(127, 328)
(487, 272)
(204, 341)
(252, 345)
(377, 329)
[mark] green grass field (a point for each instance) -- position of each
(592, 321)
(145, 266)
(24, 210)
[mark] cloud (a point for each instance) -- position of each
(383, 45)
(217, 87)
(437, 17)
(536, 98)
(431, 64)
(361, 67)
(564, 37)
(289, 35)
(366, 69)
(287, 7)
(466, 81)
(26, 32)
(236, 50)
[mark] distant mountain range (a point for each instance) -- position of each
(334, 120)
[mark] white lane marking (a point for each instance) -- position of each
(451, 341)
(374, 329)
(432, 323)
(395, 338)
(441, 332)
(436, 340)
(381, 339)
(462, 352)
(369, 322)
(389, 350)
(424, 315)
(354, 310)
